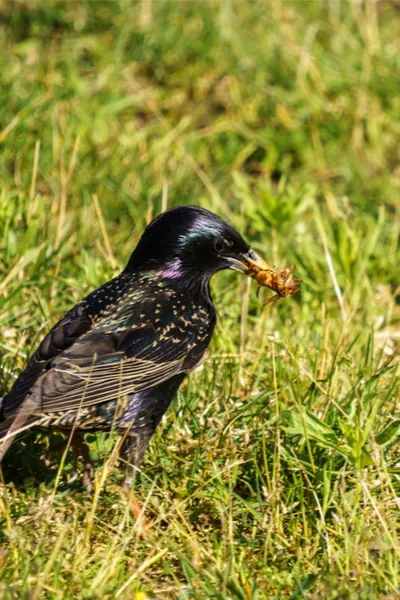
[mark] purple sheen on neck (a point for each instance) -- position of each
(173, 270)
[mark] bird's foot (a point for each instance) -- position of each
(80, 448)
(74, 476)
(88, 476)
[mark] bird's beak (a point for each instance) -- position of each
(248, 263)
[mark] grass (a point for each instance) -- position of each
(276, 473)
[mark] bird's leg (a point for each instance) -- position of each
(80, 448)
(133, 448)
(56, 450)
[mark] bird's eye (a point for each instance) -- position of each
(222, 244)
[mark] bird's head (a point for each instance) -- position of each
(189, 243)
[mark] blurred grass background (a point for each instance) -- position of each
(276, 473)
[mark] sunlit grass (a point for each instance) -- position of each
(276, 472)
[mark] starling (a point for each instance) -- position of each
(116, 360)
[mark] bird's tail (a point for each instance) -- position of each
(16, 423)
(3, 427)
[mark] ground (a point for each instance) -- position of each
(276, 472)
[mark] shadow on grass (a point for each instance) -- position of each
(34, 459)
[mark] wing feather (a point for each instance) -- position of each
(74, 383)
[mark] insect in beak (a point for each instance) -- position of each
(280, 281)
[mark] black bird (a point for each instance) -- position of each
(116, 360)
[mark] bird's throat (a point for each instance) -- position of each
(174, 269)
(187, 279)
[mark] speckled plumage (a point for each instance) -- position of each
(116, 360)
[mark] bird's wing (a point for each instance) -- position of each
(64, 333)
(105, 365)
(20, 403)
